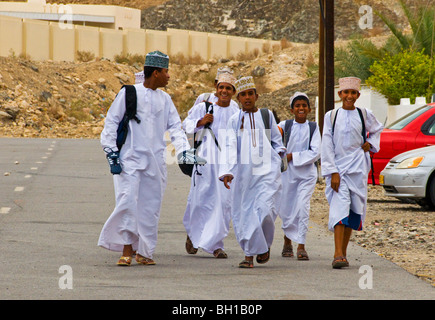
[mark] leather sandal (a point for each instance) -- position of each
(263, 258)
(246, 264)
(339, 262)
(287, 251)
(124, 261)
(145, 261)
(302, 254)
(189, 247)
(220, 254)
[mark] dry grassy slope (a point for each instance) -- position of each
(49, 98)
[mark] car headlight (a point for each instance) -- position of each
(413, 162)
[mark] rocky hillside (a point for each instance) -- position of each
(295, 20)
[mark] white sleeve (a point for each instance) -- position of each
(195, 114)
(178, 137)
(228, 154)
(374, 127)
(327, 150)
(312, 154)
(113, 118)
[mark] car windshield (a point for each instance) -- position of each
(405, 120)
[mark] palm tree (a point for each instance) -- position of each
(362, 52)
(422, 26)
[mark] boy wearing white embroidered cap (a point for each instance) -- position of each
(302, 140)
(253, 212)
(207, 222)
(346, 163)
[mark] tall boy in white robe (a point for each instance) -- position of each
(251, 163)
(139, 188)
(208, 211)
(299, 180)
(345, 162)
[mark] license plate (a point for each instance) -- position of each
(381, 179)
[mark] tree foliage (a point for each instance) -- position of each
(387, 64)
(408, 74)
(422, 26)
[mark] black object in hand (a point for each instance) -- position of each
(114, 162)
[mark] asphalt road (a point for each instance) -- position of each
(56, 195)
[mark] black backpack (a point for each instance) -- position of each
(208, 109)
(288, 128)
(130, 113)
(188, 168)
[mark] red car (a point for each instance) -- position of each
(412, 131)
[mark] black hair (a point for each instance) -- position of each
(255, 90)
(300, 98)
(148, 71)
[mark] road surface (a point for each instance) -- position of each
(56, 195)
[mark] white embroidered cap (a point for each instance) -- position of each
(349, 83)
(298, 94)
(222, 70)
(227, 78)
(245, 83)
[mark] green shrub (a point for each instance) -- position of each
(408, 74)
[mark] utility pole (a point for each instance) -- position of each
(326, 59)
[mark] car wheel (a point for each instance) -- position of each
(430, 194)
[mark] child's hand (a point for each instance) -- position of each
(335, 181)
(227, 181)
(366, 146)
(289, 157)
(208, 118)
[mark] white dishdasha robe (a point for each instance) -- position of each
(255, 164)
(208, 210)
(299, 180)
(140, 186)
(342, 153)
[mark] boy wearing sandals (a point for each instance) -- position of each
(251, 162)
(346, 163)
(207, 222)
(132, 226)
(299, 180)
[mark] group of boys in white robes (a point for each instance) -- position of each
(263, 192)
(241, 150)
